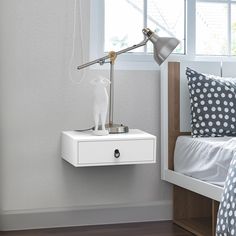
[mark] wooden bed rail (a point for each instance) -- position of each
(173, 110)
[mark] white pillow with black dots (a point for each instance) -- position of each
(213, 104)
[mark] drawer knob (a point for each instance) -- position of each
(116, 153)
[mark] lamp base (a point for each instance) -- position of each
(117, 128)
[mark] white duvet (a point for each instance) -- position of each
(207, 159)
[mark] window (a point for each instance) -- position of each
(215, 27)
(204, 27)
(123, 29)
(233, 29)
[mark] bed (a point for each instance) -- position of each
(196, 195)
(207, 159)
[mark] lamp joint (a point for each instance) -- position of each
(112, 55)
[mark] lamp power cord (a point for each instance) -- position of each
(83, 130)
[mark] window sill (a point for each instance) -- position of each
(132, 61)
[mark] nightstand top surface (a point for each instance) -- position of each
(89, 136)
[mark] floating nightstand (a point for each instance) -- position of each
(85, 149)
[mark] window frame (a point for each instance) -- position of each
(144, 61)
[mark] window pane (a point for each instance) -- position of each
(123, 24)
(166, 18)
(211, 28)
(233, 29)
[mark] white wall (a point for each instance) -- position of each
(38, 101)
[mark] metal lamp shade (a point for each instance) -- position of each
(162, 47)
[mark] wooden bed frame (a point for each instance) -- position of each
(195, 202)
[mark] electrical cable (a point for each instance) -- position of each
(71, 67)
(83, 130)
(73, 50)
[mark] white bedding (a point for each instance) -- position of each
(207, 159)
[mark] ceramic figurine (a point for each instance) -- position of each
(100, 104)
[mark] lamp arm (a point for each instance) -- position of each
(103, 59)
(143, 43)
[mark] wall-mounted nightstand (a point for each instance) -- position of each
(85, 149)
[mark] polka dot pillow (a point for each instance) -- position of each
(213, 104)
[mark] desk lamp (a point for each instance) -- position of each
(162, 48)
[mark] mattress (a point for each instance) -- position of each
(207, 159)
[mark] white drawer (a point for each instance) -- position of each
(85, 149)
(116, 152)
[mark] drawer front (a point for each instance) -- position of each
(115, 152)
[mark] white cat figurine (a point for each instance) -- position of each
(100, 104)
